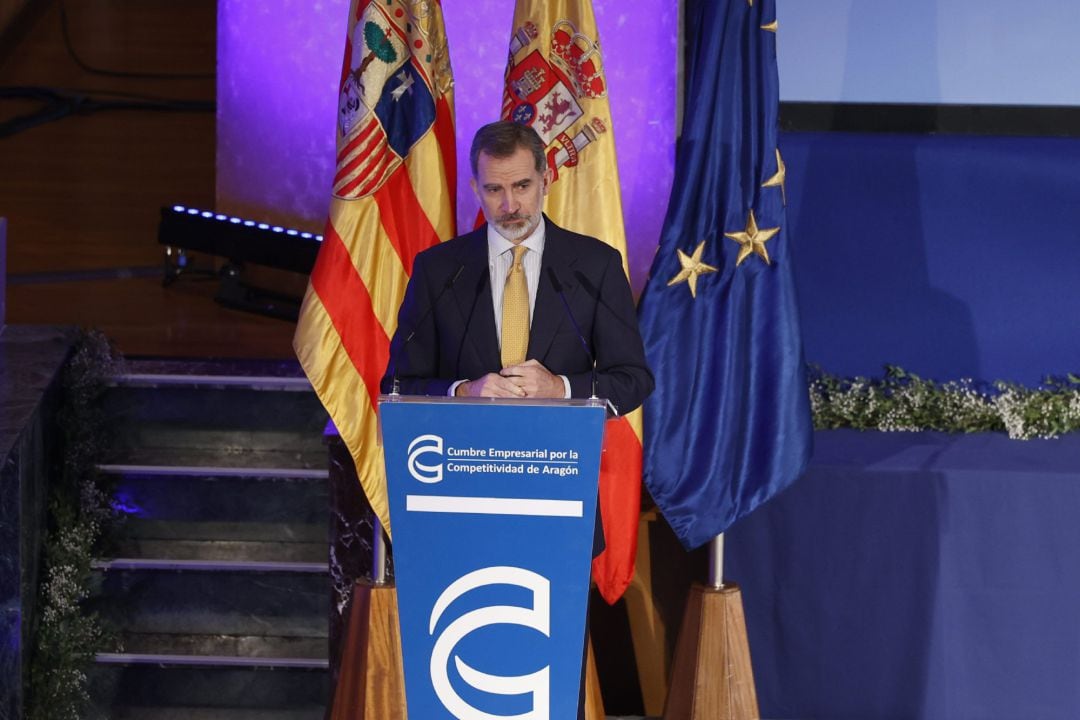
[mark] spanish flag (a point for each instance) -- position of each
(555, 83)
(393, 196)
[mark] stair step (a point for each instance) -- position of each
(265, 402)
(205, 511)
(234, 367)
(212, 381)
(213, 597)
(174, 548)
(229, 456)
(210, 661)
(248, 646)
(212, 472)
(235, 418)
(217, 689)
(198, 565)
(282, 531)
(212, 713)
(213, 514)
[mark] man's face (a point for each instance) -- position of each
(511, 193)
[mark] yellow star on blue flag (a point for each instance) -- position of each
(691, 268)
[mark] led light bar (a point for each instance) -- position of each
(238, 239)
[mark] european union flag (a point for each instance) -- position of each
(729, 425)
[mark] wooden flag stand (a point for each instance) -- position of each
(594, 704)
(711, 677)
(371, 685)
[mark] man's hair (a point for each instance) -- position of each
(502, 139)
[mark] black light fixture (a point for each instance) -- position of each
(240, 242)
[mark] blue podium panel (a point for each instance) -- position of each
(493, 508)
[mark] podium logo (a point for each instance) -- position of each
(537, 617)
(423, 445)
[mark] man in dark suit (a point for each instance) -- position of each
(492, 313)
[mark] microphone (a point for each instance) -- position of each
(594, 292)
(481, 285)
(554, 278)
(394, 387)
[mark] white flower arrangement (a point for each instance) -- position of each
(904, 402)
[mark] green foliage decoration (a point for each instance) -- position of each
(67, 636)
(901, 401)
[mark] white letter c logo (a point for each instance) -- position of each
(538, 618)
(422, 445)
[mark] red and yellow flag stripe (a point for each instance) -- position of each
(389, 203)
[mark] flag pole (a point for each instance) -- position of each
(378, 552)
(716, 562)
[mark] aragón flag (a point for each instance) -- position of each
(555, 83)
(729, 423)
(393, 196)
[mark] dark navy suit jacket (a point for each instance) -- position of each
(449, 315)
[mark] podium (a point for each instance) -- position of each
(493, 510)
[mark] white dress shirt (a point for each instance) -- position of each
(501, 257)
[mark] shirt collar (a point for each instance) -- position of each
(497, 244)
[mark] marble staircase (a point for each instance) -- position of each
(217, 579)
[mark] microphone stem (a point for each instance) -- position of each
(395, 387)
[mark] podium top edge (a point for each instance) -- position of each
(516, 402)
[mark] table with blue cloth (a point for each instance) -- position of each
(917, 575)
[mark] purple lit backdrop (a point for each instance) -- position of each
(278, 66)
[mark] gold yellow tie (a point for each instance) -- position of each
(515, 313)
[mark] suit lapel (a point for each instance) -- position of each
(548, 312)
(473, 294)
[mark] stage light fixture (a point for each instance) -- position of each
(240, 242)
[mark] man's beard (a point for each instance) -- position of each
(516, 232)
